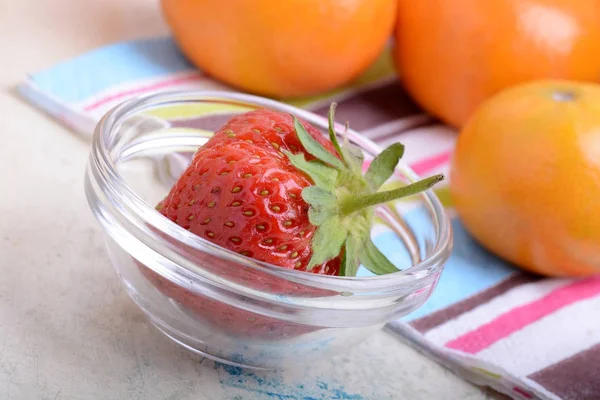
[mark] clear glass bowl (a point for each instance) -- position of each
(221, 304)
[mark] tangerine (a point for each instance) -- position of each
(525, 177)
(452, 55)
(285, 48)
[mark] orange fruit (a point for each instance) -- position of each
(525, 176)
(452, 55)
(285, 48)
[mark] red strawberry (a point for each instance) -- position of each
(272, 188)
(242, 192)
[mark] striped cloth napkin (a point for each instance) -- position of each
(522, 335)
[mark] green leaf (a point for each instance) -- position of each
(315, 148)
(318, 196)
(332, 135)
(321, 174)
(342, 271)
(350, 261)
(323, 204)
(355, 157)
(318, 215)
(374, 260)
(327, 242)
(383, 165)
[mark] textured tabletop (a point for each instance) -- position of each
(67, 328)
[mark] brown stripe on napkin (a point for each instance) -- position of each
(364, 110)
(575, 378)
(373, 107)
(437, 318)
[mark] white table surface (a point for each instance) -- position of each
(67, 328)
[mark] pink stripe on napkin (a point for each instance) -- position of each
(144, 89)
(517, 318)
(423, 166)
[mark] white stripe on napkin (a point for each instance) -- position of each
(422, 143)
(489, 311)
(538, 346)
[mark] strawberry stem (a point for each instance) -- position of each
(341, 197)
(354, 203)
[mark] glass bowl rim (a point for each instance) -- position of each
(100, 159)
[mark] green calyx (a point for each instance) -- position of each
(342, 198)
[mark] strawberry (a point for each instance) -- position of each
(273, 188)
(242, 192)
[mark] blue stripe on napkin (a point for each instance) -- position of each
(469, 270)
(119, 63)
